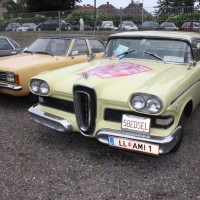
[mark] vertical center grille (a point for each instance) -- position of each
(85, 109)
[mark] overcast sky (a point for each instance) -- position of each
(121, 3)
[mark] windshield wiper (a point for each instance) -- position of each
(44, 52)
(125, 53)
(155, 56)
(26, 51)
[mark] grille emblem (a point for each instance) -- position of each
(85, 75)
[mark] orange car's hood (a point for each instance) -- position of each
(21, 61)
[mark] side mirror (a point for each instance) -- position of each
(91, 57)
(198, 46)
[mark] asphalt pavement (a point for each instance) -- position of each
(37, 163)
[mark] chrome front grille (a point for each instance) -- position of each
(85, 109)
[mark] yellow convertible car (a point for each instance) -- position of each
(136, 97)
(45, 54)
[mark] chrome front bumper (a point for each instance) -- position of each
(11, 87)
(49, 120)
(166, 144)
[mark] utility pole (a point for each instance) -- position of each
(95, 15)
(142, 11)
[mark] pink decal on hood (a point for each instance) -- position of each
(117, 70)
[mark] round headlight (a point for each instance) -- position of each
(44, 88)
(138, 102)
(35, 86)
(153, 105)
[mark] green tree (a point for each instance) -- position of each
(12, 6)
(50, 5)
(174, 6)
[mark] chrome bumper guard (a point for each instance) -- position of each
(166, 144)
(49, 120)
(11, 87)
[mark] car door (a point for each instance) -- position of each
(79, 52)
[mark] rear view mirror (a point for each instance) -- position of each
(198, 46)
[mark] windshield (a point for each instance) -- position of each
(51, 46)
(25, 25)
(154, 24)
(170, 51)
(12, 25)
(169, 24)
(107, 23)
(128, 23)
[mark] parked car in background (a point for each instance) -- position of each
(53, 25)
(12, 26)
(128, 26)
(136, 98)
(2, 27)
(76, 27)
(27, 27)
(169, 26)
(148, 25)
(108, 25)
(190, 26)
(45, 54)
(8, 46)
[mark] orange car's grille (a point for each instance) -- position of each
(2, 76)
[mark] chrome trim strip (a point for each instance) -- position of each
(11, 87)
(49, 120)
(166, 144)
(184, 92)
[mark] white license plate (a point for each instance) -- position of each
(133, 123)
(134, 145)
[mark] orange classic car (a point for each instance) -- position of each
(45, 54)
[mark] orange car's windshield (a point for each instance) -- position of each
(57, 47)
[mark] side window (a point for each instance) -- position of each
(196, 49)
(80, 47)
(59, 46)
(14, 44)
(96, 46)
(47, 23)
(5, 45)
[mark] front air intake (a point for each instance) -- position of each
(85, 106)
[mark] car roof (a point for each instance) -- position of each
(158, 34)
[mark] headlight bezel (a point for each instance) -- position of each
(147, 108)
(40, 83)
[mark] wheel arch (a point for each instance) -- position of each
(188, 108)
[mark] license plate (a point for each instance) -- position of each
(133, 123)
(134, 145)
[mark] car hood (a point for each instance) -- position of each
(118, 79)
(24, 61)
